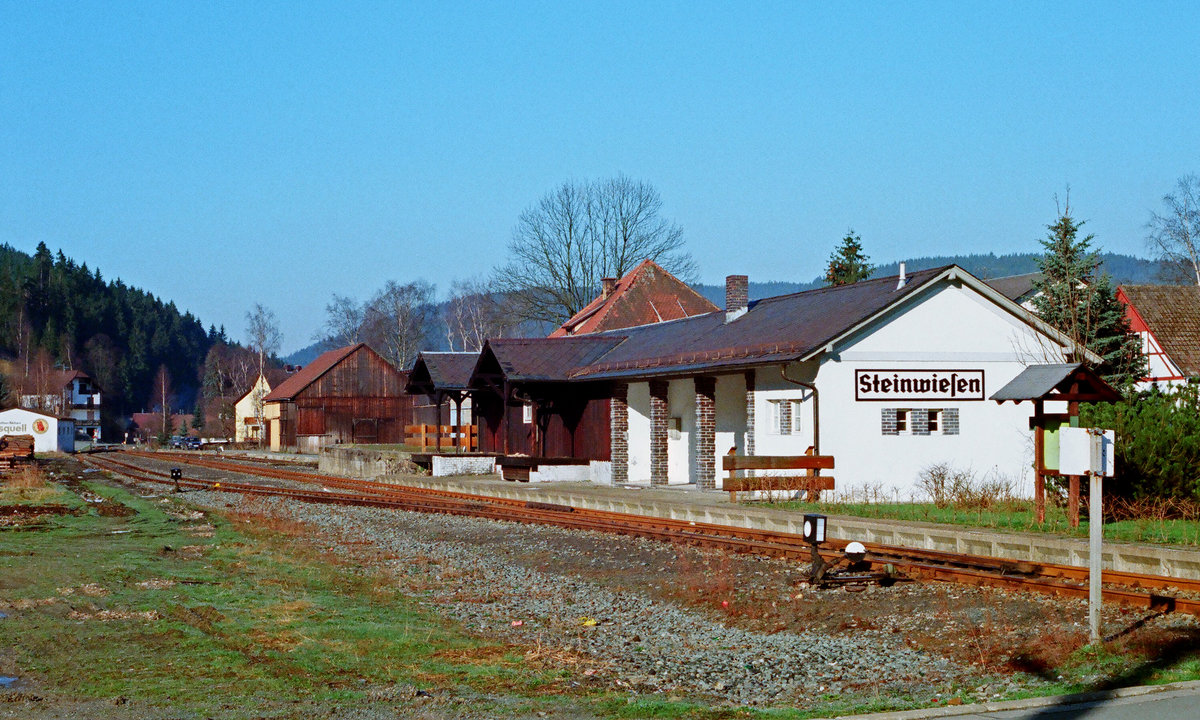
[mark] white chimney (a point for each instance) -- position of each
(903, 280)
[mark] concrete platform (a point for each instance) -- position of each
(687, 503)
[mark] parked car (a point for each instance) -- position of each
(192, 443)
(177, 442)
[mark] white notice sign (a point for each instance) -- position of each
(1080, 451)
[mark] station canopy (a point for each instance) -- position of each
(1070, 382)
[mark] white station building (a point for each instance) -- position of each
(50, 434)
(889, 376)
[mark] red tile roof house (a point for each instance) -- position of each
(647, 294)
(1168, 319)
(69, 393)
(890, 376)
(347, 395)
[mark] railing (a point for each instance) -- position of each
(448, 437)
(810, 482)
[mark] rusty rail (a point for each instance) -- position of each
(1121, 587)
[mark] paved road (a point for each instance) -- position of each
(1180, 701)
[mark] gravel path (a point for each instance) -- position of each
(471, 572)
(650, 617)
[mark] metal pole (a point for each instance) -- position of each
(1095, 552)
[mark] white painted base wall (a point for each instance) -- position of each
(444, 465)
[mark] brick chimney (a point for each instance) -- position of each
(608, 285)
(737, 296)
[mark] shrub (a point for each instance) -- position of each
(947, 486)
(1158, 443)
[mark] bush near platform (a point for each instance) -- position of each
(1158, 444)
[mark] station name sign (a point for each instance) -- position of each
(958, 385)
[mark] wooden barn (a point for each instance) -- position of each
(347, 395)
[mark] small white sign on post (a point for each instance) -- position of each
(1089, 452)
(1082, 451)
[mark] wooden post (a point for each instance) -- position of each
(1039, 461)
(1073, 501)
(458, 420)
(504, 415)
(1073, 492)
(437, 423)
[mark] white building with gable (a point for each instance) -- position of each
(50, 434)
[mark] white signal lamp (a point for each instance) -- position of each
(814, 529)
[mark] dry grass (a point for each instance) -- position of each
(27, 484)
(29, 477)
(258, 517)
(546, 656)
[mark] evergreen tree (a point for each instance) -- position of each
(848, 264)
(1079, 300)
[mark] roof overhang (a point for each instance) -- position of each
(1066, 382)
(957, 274)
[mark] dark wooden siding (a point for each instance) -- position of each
(361, 399)
(572, 421)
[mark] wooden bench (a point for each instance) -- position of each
(810, 482)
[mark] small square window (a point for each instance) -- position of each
(934, 422)
(901, 421)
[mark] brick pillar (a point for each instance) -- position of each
(618, 421)
(706, 433)
(658, 432)
(749, 440)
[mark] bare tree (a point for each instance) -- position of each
(394, 320)
(343, 321)
(567, 242)
(262, 329)
(474, 313)
(162, 393)
(1175, 234)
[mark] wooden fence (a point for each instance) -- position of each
(449, 437)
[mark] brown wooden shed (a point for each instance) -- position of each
(525, 403)
(347, 395)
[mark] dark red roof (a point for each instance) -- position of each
(545, 359)
(59, 379)
(647, 294)
(775, 329)
(442, 371)
(1172, 314)
(307, 375)
(1017, 288)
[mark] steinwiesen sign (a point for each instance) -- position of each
(955, 385)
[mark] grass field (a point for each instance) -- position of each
(136, 603)
(1014, 515)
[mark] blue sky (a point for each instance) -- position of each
(222, 154)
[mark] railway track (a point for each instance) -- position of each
(1130, 589)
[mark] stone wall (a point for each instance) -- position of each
(364, 462)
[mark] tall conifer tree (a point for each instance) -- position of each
(1078, 299)
(848, 264)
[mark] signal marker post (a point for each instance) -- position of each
(1089, 451)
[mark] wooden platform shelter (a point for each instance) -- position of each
(1069, 383)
